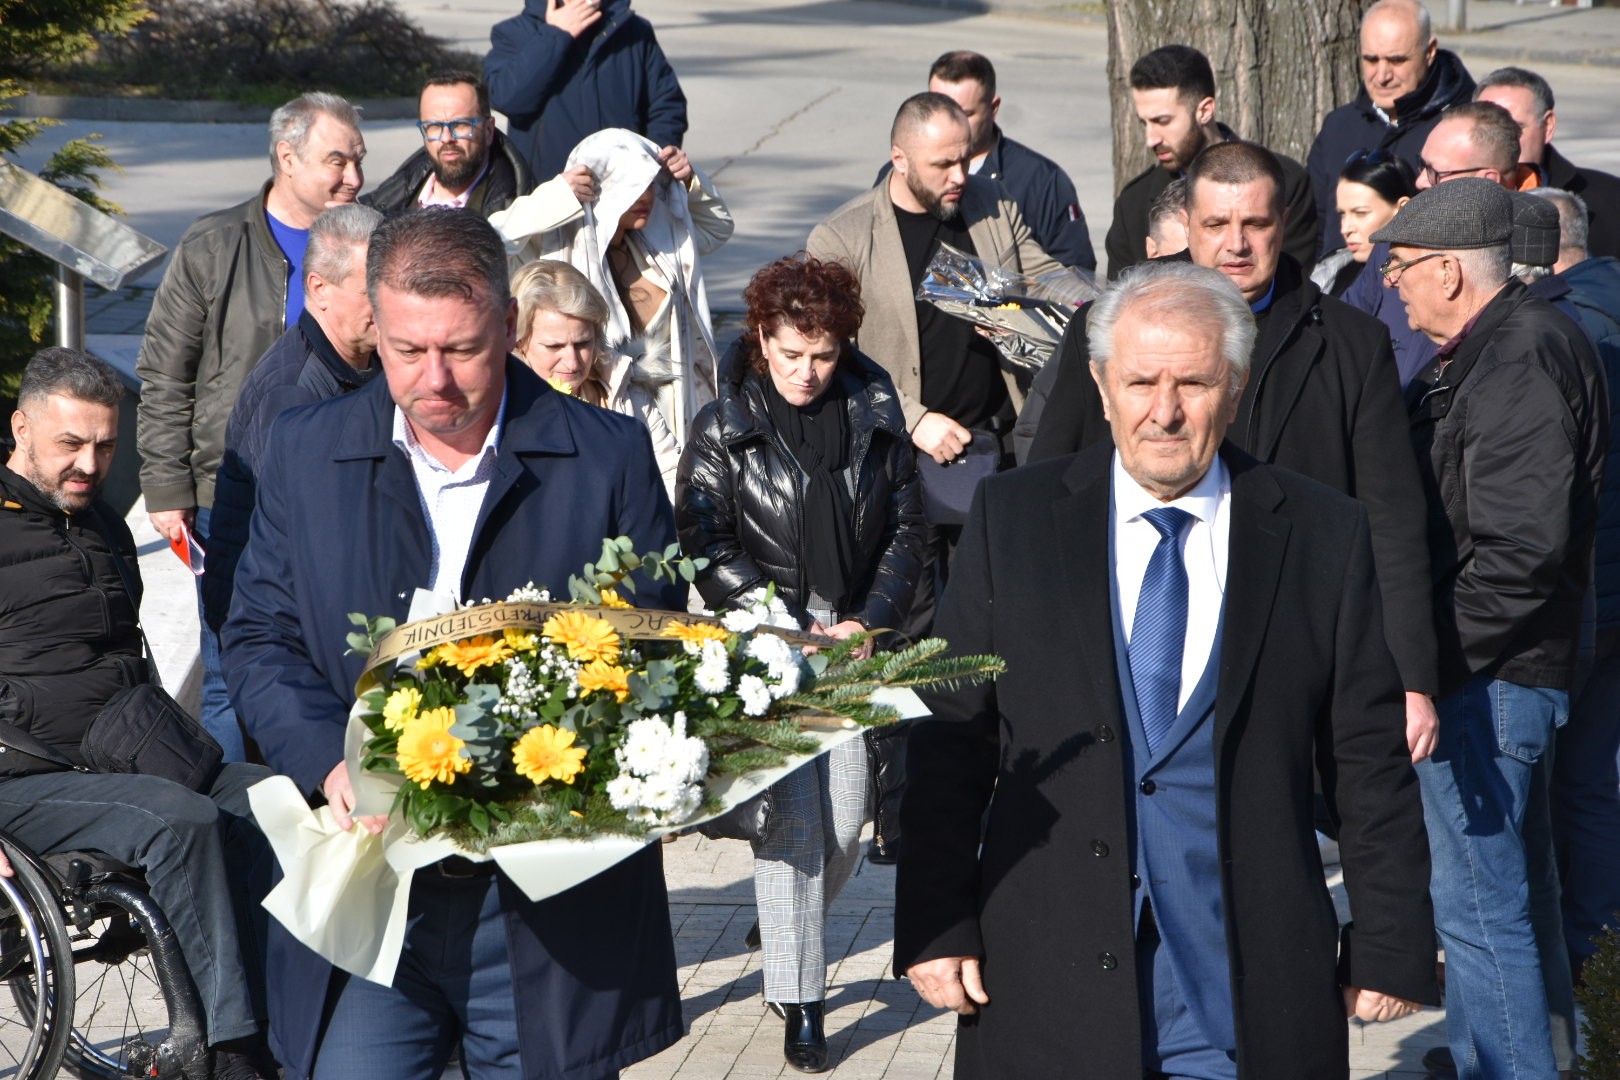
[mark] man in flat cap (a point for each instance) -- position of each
(1510, 422)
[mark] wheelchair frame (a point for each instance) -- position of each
(78, 908)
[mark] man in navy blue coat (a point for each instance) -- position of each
(461, 471)
(565, 69)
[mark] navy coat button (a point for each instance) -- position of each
(1136, 882)
(1098, 848)
(1105, 733)
(1108, 961)
(1149, 787)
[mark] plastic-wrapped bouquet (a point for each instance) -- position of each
(532, 720)
(1024, 315)
(558, 739)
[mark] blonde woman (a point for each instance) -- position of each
(561, 333)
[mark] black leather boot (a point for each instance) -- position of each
(805, 1045)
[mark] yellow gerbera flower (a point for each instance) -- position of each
(600, 675)
(586, 637)
(428, 752)
(521, 640)
(612, 599)
(548, 753)
(470, 655)
(401, 707)
(428, 659)
(696, 633)
(562, 386)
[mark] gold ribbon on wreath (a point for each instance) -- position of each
(631, 623)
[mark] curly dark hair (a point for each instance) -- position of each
(801, 291)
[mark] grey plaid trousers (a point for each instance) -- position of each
(810, 847)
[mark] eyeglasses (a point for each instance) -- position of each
(1392, 266)
(1438, 176)
(460, 128)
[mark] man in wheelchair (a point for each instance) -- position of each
(69, 640)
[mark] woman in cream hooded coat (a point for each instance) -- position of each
(640, 242)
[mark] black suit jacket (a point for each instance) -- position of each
(1304, 679)
(1323, 399)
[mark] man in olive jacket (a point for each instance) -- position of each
(234, 284)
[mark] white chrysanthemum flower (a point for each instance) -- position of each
(687, 802)
(769, 649)
(645, 745)
(784, 679)
(661, 793)
(685, 759)
(742, 621)
(624, 792)
(713, 673)
(756, 696)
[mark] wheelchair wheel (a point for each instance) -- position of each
(36, 962)
(136, 1011)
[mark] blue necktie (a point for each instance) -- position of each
(1159, 632)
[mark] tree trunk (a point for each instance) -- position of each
(1280, 66)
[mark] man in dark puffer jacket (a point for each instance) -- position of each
(329, 352)
(69, 641)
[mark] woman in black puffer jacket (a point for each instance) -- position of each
(801, 474)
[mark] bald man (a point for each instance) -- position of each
(951, 381)
(1407, 81)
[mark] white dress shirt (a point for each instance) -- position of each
(451, 499)
(1203, 552)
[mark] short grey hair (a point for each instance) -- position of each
(1486, 267)
(291, 122)
(1530, 274)
(1181, 292)
(1425, 24)
(1573, 224)
(61, 372)
(336, 236)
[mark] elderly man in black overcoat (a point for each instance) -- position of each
(1148, 898)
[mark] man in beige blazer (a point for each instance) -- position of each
(950, 379)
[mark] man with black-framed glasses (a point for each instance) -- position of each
(1473, 140)
(465, 161)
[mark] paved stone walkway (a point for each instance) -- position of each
(877, 1026)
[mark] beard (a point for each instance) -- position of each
(458, 174)
(932, 201)
(52, 489)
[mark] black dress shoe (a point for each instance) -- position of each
(751, 939)
(805, 1045)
